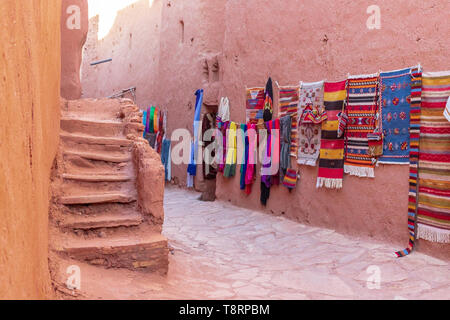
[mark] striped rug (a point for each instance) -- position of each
(288, 106)
(255, 105)
(331, 161)
(414, 129)
(433, 215)
(362, 106)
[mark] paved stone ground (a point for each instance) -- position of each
(220, 251)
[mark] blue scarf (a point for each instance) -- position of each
(192, 167)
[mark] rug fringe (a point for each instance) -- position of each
(329, 183)
(307, 162)
(360, 171)
(432, 234)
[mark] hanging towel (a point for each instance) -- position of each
(331, 163)
(192, 167)
(415, 114)
(230, 165)
(395, 98)
(361, 109)
(311, 97)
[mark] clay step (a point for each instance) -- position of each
(97, 198)
(100, 156)
(132, 251)
(98, 177)
(108, 220)
(94, 127)
(88, 139)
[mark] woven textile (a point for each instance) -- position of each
(231, 154)
(361, 109)
(433, 215)
(416, 98)
(395, 90)
(288, 105)
(331, 163)
(255, 105)
(309, 134)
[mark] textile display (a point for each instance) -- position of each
(309, 133)
(433, 213)
(331, 163)
(395, 91)
(255, 105)
(362, 110)
(415, 114)
(288, 105)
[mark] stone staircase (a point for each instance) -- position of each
(108, 188)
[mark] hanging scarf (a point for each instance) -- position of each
(245, 155)
(250, 171)
(230, 164)
(144, 121)
(151, 125)
(192, 167)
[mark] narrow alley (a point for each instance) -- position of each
(219, 251)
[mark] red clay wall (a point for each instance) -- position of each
(29, 116)
(291, 41)
(74, 29)
(315, 40)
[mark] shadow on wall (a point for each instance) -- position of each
(115, 29)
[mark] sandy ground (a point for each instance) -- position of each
(219, 251)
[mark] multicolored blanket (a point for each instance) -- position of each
(309, 134)
(255, 105)
(361, 109)
(331, 163)
(288, 106)
(395, 89)
(416, 99)
(433, 215)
